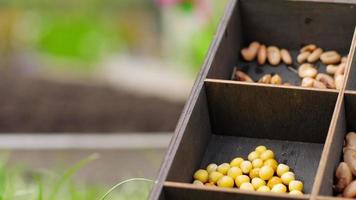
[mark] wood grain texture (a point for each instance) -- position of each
(351, 80)
(193, 144)
(270, 112)
(179, 191)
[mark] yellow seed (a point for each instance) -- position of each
(287, 177)
(263, 189)
(254, 173)
(211, 167)
(266, 172)
(234, 172)
(246, 166)
(273, 181)
(253, 155)
(223, 168)
(247, 186)
(242, 179)
(257, 163)
(201, 175)
(296, 192)
(197, 182)
(261, 149)
(272, 163)
(236, 162)
(210, 184)
(281, 169)
(226, 182)
(215, 176)
(257, 183)
(267, 155)
(295, 185)
(279, 188)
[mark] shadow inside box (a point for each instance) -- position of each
(302, 157)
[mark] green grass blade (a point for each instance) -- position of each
(69, 173)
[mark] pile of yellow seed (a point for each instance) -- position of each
(261, 172)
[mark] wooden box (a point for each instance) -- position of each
(223, 119)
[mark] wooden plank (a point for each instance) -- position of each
(182, 191)
(270, 112)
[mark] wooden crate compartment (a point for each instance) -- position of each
(285, 24)
(345, 123)
(230, 120)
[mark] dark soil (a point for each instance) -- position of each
(33, 105)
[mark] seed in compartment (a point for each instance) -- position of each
(295, 192)
(210, 184)
(326, 79)
(273, 55)
(307, 70)
(223, 168)
(331, 69)
(201, 175)
(276, 80)
(287, 177)
(266, 172)
(250, 52)
(197, 182)
(241, 76)
(247, 186)
(246, 166)
(262, 55)
(339, 81)
(295, 185)
(261, 149)
(242, 179)
(265, 79)
(279, 188)
(267, 155)
(215, 176)
(350, 190)
(273, 181)
(253, 155)
(255, 172)
(318, 84)
(211, 167)
(257, 163)
(226, 182)
(343, 176)
(281, 169)
(234, 172)
(330, 57)
(286, 57)
(257, 182)
(263, 189)
(272, 163)
(236, 162)
(307, 82)
(302, 57)
(313, 57)
(349, 159)
(309, 47)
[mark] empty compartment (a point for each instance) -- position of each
(286, 24)
(345, 123)
(231, 119)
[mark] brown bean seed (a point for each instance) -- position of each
(313, 57)
(286, 57)
(318, 84)
(302, 57)
(265, 79)
(309, 47)
(307, 82)
(273, 55)
(276, 80)
(326, 79)
(241, 76)
(344, 59)
(340, 70)
(331, 69)
(339, 81)
(343, 177)
(307, 70)
(350, 190)
(262, 55)
(330, 57)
